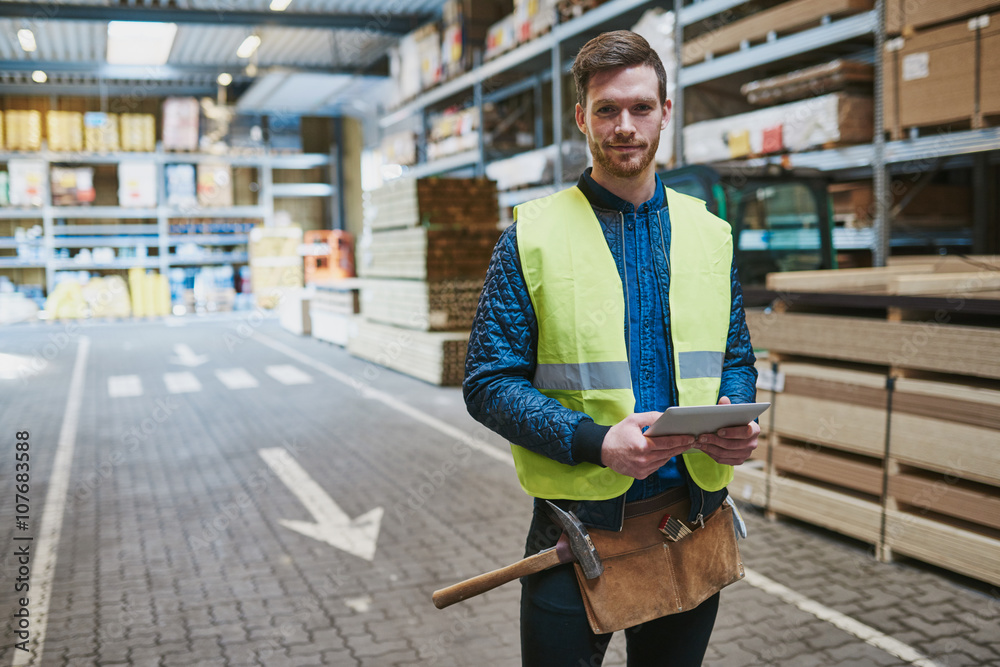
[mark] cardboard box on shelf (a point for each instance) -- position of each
(137, 184)
(64, 130)
(215, 185)
(182, 189)
(181, 116)
(138, 132)
(24, 130)
(72, 186)
(100, 131)
(29, 183)
(906, 14)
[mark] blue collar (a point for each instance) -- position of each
(601, 197)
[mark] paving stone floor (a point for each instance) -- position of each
(173, 549)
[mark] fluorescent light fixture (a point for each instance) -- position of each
(27, 39)
(280, 5)
(140, 42)
(248, 46)
(38, 76)
(225, 79)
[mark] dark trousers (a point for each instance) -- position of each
(555, 631)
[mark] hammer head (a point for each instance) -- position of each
(579, 541)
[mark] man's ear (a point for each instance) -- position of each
(581, 118)
(667, 109)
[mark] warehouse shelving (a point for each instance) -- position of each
(540, 60)
(150, 227)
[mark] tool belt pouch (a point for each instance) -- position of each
(647, 576)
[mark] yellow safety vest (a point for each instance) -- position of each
(579, 302)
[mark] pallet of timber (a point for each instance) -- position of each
(949, 427)
(435, 357)
(807, 461)
(851, 514)
(969, 550)
(833, 406)
(341, 297)
(429, 306)
(750, 483)
(919, 345)
(438, 202)
(428, 254)
(834, 76)
(786, 18)
(946, 495)
(925, 277)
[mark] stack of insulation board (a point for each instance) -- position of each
(428, 245)
(333, 309)
(886, 407)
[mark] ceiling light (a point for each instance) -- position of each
(225, 79)
(140, 42)
(280, 5)
(38, 76)
(248, 46)
(27, 39)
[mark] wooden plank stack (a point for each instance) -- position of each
(423, 260)
(886, 408)
(333, 311)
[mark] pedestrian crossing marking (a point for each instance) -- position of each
(122, 386)
(288, 374)
(236, 378)
(181, 383)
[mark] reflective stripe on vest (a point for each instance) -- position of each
(578, 299)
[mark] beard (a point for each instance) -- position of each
(623, 166)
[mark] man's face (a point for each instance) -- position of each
(623, 119)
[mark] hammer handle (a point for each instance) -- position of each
(464, 590)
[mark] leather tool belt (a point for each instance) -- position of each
(647, 576)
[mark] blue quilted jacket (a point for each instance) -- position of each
(502, 353)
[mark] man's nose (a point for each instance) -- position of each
(625, 124)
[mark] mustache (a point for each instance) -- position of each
(629, 144)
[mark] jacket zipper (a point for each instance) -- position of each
(670, 349)
(701, 517)
(628, 308)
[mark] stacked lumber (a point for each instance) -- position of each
(445, 305)
(834, 76)
(886, 415)
(785, 18)
(432, 356)
(333, 309)
(423, 259)
(439, 202)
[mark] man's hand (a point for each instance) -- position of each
(731, 446)
(627, 451)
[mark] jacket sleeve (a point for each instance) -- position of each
(500, 365)
(739, 376)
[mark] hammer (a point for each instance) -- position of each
(573, 545)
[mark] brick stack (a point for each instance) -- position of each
(428, 245)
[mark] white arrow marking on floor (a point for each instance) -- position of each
(332, 525)
(122, 386)
(187, 357)
(846, 623)
(236, 378)
(181, 383)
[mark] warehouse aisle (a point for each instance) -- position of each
(241, 496)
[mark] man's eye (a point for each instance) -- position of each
(604, 110)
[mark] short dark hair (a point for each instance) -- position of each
(611, 50)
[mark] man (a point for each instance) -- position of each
(605, 304)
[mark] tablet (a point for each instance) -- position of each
(698, 419)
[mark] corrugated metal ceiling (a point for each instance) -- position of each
(81, 41)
